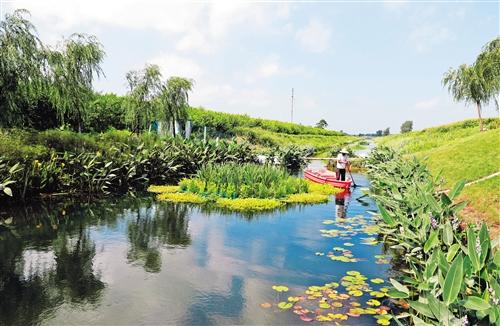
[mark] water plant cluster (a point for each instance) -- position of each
(451, 270)
(244, 187)
(244, 181)
(113, 162)
(338, 302)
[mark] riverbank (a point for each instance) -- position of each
(459, 151)
(451, 269)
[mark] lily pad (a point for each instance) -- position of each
(285, 305)
(280, 288)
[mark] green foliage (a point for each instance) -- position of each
(322, 124)
(143, 105)
(407, 126)
(244, 181)
(423, 226)
(113, 162)
(22, 64)
(175, 99)
(226, 122)
(74, 68)
(106, 111)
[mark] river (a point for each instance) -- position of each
(135, 261)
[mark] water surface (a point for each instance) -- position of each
(135, 261)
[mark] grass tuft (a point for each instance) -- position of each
(163, 189)
(182, 198)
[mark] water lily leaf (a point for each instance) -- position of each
(284, 305)
(293, 299)
(353, 273)
(324, 305)
(337, 304)
(383, 322)
(280, 288)
(319, 253)
(373, 302)
(328, 222)
(356, 293)
(266, 305)
(377, 280)
(348, 244)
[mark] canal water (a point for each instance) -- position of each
(133, 261)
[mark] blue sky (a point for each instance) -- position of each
(360, 66)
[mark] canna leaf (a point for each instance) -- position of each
(472, 250)
(453, 281)
(476, 303)
(432, 241)
(457, 189)
(452, 251)
(386, 217)
(398, 286)
(448, 234)
(422, 308)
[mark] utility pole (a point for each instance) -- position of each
(292, 107)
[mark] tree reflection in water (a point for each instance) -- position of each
(48, 259)
(154, 227)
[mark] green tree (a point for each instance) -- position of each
(387, 131)
(322, 124)
(73, 69)
(488, 67)
(175, 99)
(22, 67)
(143, 97)
(407, 126)
(379, 133)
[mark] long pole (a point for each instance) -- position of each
(291, 120)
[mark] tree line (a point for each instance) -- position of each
(44, 84)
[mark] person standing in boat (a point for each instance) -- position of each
(342, 164)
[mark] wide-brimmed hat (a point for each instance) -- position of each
(344, 151)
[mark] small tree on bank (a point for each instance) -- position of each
(73, 69)
(407, 126)
(174, 99)
(322, 124)
(143, 97)
(387, 131)
(479, 83)
(22, 66)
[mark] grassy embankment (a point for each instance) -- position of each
(267, 133)
(460, 151)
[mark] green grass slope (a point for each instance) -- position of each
(460, 151)
(266, 133)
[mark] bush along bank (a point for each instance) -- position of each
(451, 270)
(244, 187)
(114, 162)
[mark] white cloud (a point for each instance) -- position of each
(195, 26)
(429, 104)
(315, 37)
(426, 36)
(272, 67)
(173, 65)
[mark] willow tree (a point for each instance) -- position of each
(22, 66)
(488, 66)
(73, 69)
(466, 84)
(143, 97)
(175, 99)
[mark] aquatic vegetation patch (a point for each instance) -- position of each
(182, 198)
(306, 198)
(248, 204)
(337, 301)
(163, 189)
(317, 188)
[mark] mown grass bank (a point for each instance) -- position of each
(450, 270)
(265, 133)
(460, 151)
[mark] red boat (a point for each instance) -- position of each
(325, 176)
